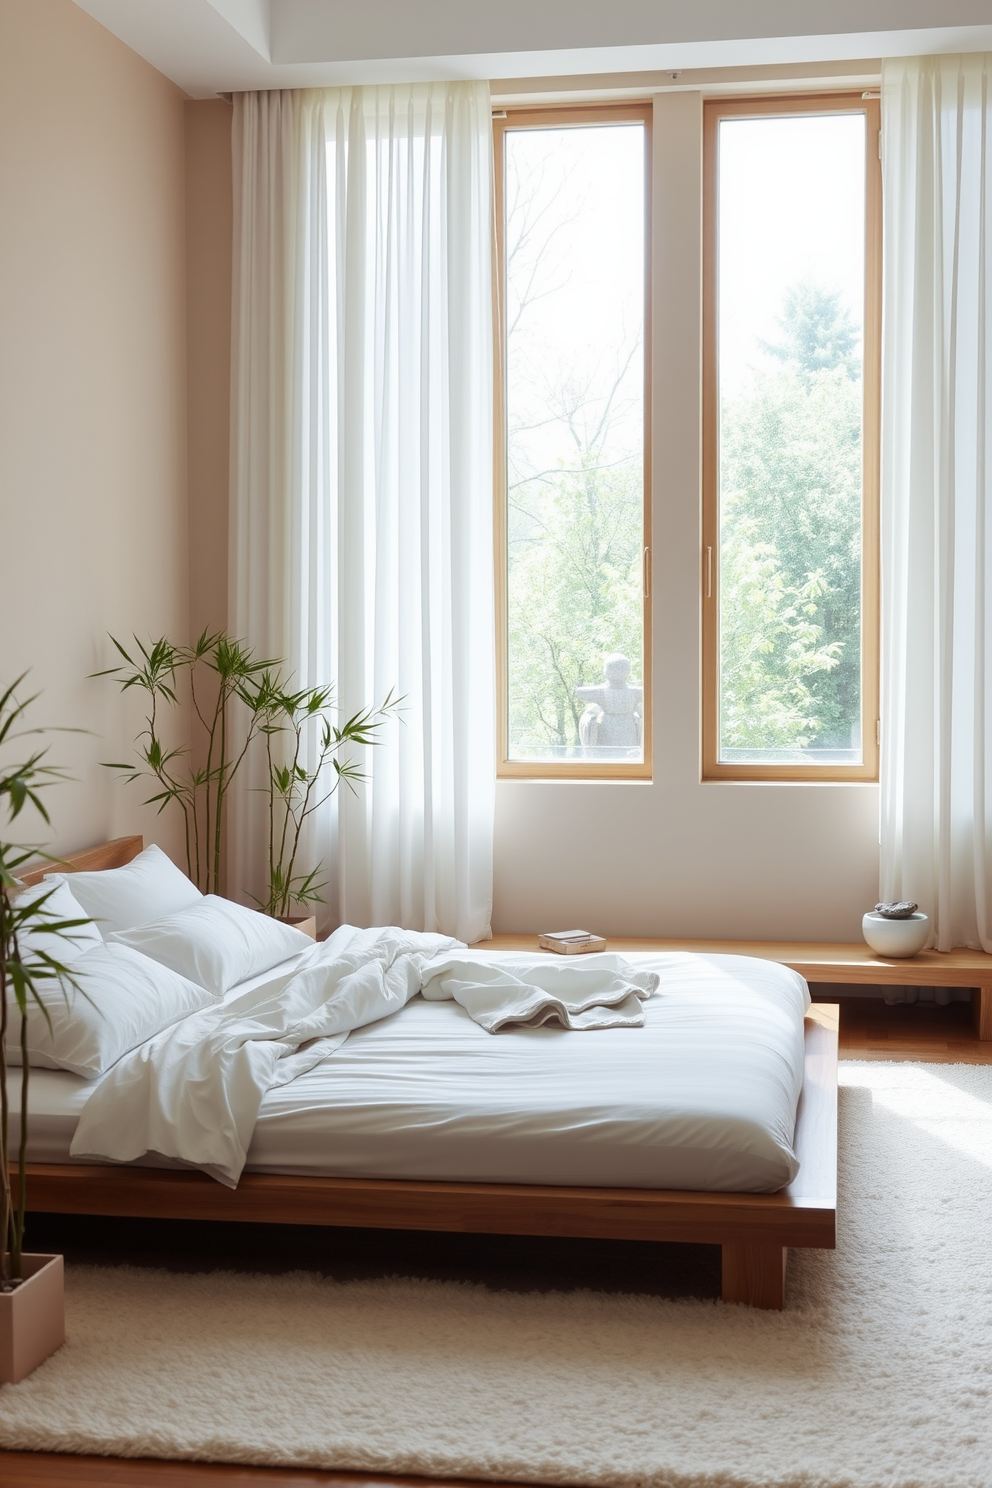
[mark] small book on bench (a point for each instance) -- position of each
(571, 942)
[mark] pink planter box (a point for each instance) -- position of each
(32, 1317)
(306, 923)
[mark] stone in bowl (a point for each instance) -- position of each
(895, 938)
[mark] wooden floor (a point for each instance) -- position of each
(940, 1035)
(869, 1030)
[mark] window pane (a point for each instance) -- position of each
(574, 315)
(790, 290)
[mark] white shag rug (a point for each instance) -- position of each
(877, 1375)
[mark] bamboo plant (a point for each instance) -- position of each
(301, 779)
(22, 975)
(216, 673)
(240, 701)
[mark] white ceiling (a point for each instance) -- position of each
(214, 46)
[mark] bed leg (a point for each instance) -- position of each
(754, 1275)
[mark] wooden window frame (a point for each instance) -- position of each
(714, 111)
(506, 768)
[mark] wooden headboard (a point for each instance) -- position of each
(112, 854)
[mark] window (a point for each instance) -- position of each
(790, 430)
(572, 255)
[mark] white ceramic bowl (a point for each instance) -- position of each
(895, 938)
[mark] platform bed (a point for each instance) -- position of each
(755, 1231)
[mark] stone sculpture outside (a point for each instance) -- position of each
(611, 726)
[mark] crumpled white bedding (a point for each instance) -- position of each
(194, 1091)
(603, 992)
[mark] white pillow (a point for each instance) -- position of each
(145, 889)
(217, 943)
(59, 905)
(128, 998)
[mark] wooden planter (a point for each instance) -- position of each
(32, 1317)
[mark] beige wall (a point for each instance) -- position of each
(208, 340)
(93, 519)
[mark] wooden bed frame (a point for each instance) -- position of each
(754, 1230)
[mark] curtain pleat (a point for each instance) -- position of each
(361, 526)
(936, 828)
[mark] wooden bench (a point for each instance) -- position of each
(828, 962)
(820, 962)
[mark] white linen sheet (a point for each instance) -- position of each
(525, 991)
(703, 1097)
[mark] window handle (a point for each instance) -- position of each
(709, 573)
(646, 561)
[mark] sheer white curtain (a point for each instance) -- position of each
(361, 523)
(936, 823)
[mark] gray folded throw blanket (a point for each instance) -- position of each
(603, 992)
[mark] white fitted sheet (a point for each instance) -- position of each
(703, 1097)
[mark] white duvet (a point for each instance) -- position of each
(193, 1093)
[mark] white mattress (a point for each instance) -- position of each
(703, 1097)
